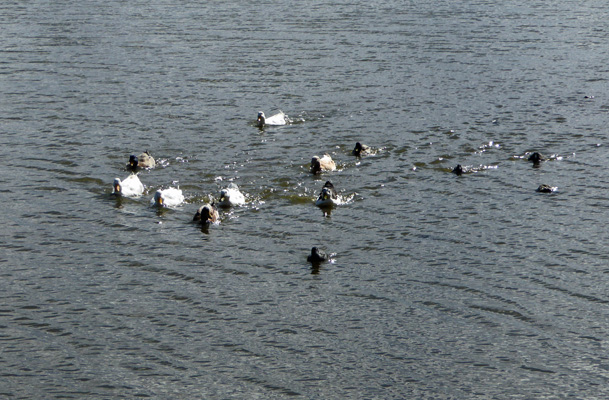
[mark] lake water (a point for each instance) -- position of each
(440, 286)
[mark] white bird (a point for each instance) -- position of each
(322, 164)
(131, 186)
(278, 119)
(170, 197)
(231, 196)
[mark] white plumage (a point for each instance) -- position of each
(278, 119)
(131, 186)
(231, 196)
(170, 197)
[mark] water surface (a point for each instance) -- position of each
(441, 286)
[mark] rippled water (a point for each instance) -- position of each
(441, 286)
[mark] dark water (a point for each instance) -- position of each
(441, 286)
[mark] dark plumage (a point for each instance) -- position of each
(133, 161)
(360, 150)
(458, 170)
(536, 158)
(546, 189)
(207, 213)
(317, 256)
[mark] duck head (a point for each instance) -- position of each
(357, 151)
(117, 186)
(536, 158)
(327, 192)
(315, 165)
(206, 213)
(158, 198)
(261, 119)
(133, 161)
(224, 196)
(458, 170)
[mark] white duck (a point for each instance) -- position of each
(278, 119)
(322, 164)
(231, 196)
(131, 186)
(170, 197)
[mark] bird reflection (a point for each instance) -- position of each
(119, 201)
(326, 211)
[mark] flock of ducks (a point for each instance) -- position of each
(231, 196)
(535, 157)
(131, 186)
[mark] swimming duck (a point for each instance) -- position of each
(536, 158)
(317, 256)
(546, 188)
(231, 196)
(131, 186)
(458, 170)
(144, 160)
(169, 197)
(278, 119)
(361, 150)
(327, 196)
(322, 164)
(207, 213)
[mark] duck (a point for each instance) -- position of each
(327, 196)
(361, 150)
(546, 189)
(170, 197)
(207, 213)
(131, 186)
(458, 170)
(317, 256)
(231, 196)
(324, 163)
(144, 160)
(536, 158)
(278, 119)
